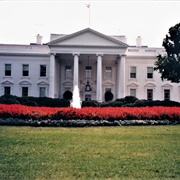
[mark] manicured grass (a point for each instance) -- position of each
(143, 152)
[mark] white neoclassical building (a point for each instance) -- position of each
(95, 62)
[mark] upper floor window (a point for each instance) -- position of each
(150, 94)
(7, 69)
(133, 72)
(133, 92)
(42, 70)
(7, 90)
(24, 91)
(68, 72)
(108, 72)
(150, 72)
(25, 70)
(88, 71)
(167, 94)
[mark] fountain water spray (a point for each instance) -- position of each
(76, 101)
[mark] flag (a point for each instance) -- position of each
(88, 5)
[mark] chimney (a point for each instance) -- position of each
(39, 39)
(139, 41)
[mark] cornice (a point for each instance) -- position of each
(86, 46)
(24, 54)
(140, 57)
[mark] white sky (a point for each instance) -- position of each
(21, 21)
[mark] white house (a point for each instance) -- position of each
(95, 62)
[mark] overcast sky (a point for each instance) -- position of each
(21, 21)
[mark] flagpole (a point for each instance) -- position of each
(89, 16)
(88, 6)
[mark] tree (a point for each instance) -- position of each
(169, 65)
(67, 95)
(108, 96)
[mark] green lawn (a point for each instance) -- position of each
(144, 152)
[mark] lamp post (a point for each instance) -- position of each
(88, 87)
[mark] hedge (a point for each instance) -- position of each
(128, 101)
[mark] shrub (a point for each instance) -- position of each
(92, 103)
(31, 103)
(8, 100)
(130, 99)
(67, 95)
(108, 96)
(140, 103)
(50, 102)
(34, 101)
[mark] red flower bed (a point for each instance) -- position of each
(90, 113)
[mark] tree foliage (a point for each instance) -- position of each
(108, 96)
(169, 65)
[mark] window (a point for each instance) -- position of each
(7, 90)
(150, 72)
(88, 71)
(133, 92)
(68, 72)
(24, 91)
(108, 72)
(108, 89)
(42, 92)
(87, 97)
(25, 70)
(42, 70)
(150, 94)
(7, 69)
(133, 72)
(167, 94)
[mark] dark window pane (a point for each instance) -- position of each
(43, 70)
(7, 90)
(24, 91)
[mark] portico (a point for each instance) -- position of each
(69, 54)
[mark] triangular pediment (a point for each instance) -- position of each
(88, 37)
(7, 82)
(133, 85)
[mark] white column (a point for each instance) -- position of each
(118, 77)
(121, 77)
(76, 70)
(52, 76)
(99, 78)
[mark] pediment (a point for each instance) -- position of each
(167, 85)
(25, 83)
(133, 85)
(42, 83)
(108, 83)
(87, 37)
(7, 83)
(150, 85)
(68, 83)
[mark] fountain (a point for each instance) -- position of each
(76, 101)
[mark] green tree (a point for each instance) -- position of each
(169, 65)
(108, 96)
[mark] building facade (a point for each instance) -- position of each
(94, 62)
